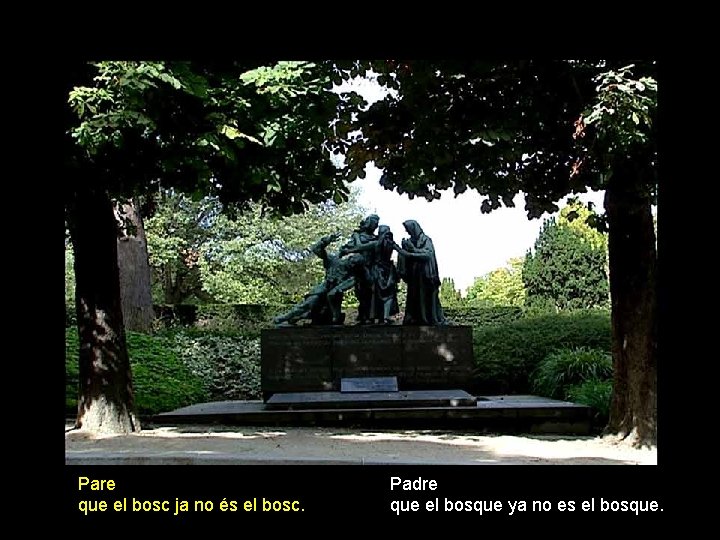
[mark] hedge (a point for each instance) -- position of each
(161, 380)
(228, 365)
(223, 318)
(483, 316)
(506, 355)
(244, 318)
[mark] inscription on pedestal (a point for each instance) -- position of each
(367, 352)
(369, 384)
(299, 362)
(439, 356)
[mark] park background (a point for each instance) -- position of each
(536, 292)
(216, 282)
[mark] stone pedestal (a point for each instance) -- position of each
(316, 358)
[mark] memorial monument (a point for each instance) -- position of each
(425, 353)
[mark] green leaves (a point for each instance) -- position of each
(498, 127)
(564, 369)
(284, 80)
(228, 365)
(508, 354)
(568, 267)
(115, 104)
(450, 297)
(501, 287)
(623, 112)
(193, 83)
(196, 251)
(218, 128)
(232, 133)
(585, 222)
(161, 379)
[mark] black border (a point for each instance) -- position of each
(363, 492)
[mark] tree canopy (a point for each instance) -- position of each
(501, 287)
(566, 270)
(237, 130)
(544, 128)
(197, 252)
(450, 297)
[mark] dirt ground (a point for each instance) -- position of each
(231, 444)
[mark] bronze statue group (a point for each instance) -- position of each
(365, 264)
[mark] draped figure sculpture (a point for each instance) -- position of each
(365, 263)
(384, 299)
(364, 242)
(417, 266)
(323, 304)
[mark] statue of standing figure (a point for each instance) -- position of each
(417, 266)
(363, 242)
(384, 300)
(376, 288)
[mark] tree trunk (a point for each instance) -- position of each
(134, 266)
(105, 403)
(633, 257)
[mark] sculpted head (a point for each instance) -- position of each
(370, 223)
(413, 228)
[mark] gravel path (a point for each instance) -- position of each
(232, 444)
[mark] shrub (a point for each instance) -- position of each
(70, 315)
(539, 306)
(595, 394)
(506, 355)
(568, 367)
(229, 366)
(161, 380)
(230, 319)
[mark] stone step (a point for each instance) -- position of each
(490, 414)
(377, 400)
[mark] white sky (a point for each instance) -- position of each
(468, 243)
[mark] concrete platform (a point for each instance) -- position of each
(491, 414)
(375, 400)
